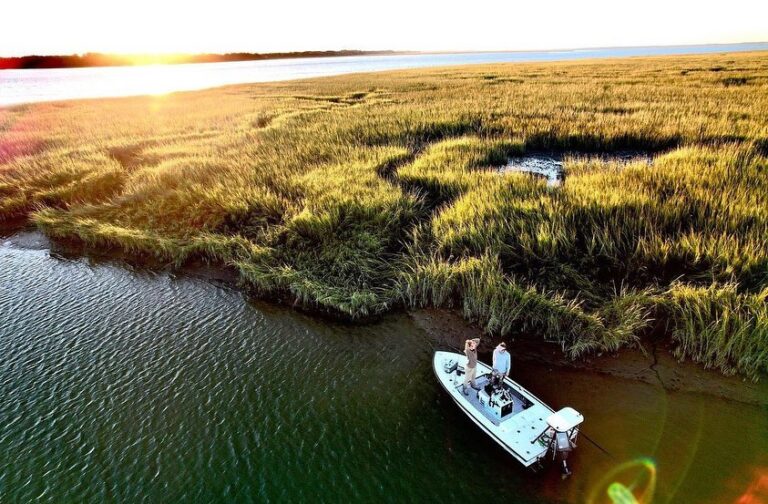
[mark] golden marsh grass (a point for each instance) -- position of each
(361, 193)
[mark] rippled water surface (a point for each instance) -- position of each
(128, 386)
(25, 86)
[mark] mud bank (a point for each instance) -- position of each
(654, 364)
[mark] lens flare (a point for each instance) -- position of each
(632, 482)
(757, 492)
(619, 494)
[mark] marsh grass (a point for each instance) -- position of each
(720, 327)
(356, 194)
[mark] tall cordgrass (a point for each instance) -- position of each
(720, 327)
(360, 193)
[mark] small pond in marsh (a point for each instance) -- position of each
(550, 165)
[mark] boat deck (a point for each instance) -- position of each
(519, 402)
(517, 431)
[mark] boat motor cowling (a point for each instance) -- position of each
(564, 429)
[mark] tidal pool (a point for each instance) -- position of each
(547, 166)
(550, 166)
(126, 385)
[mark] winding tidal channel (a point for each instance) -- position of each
(126, 385)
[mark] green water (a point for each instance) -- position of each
(119, 385)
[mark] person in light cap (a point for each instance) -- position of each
(502, 362)
(470, 370)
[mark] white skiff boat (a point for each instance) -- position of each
(513, 417)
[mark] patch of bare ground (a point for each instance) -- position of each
(655, 365)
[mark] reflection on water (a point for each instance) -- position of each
(550, 166)
(121, 385)
(24, 86)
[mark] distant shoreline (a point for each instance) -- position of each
(89, 60)
(93, 60)
(56, 84)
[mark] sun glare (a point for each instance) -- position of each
(154, 77)
(153, 59)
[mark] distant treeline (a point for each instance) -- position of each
(100, 59)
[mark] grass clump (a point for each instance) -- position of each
(720, 327)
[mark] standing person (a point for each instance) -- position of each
(470, 350)
(502, 362)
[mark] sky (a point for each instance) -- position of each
(189, 26)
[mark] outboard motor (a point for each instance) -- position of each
(563, 445)
(561, 435)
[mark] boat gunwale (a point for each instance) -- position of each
(476, 420)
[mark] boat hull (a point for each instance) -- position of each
(516, 434)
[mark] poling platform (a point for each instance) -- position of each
(512, 416)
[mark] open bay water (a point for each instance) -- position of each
(125, 385)
(27, 86)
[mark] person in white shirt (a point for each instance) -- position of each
(502, 362)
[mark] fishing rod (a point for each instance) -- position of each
(596, 445)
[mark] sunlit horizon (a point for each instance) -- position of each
(170, 58)
(158, 29)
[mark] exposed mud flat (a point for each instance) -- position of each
(654, 365)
